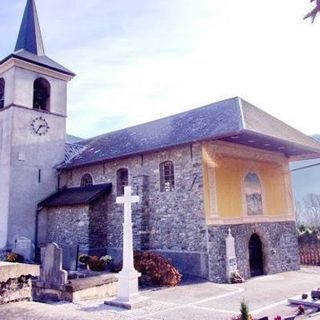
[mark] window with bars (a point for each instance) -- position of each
(122, 180)
(86, 180)
(166, 176)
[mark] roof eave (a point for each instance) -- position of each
(15, 56)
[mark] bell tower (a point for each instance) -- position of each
(33, 109)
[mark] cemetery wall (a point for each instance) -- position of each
(279, 247)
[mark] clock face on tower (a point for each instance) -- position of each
(40, 126)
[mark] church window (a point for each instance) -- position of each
(253, 193)
(41, 94)
(86, 180)
(2, 87)
(122, 180)
(166, 176)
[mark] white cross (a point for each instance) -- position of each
(128, 199)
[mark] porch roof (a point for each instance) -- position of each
(76, 196)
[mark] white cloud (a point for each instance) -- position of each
(140, 60)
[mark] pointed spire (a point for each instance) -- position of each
(29, 37)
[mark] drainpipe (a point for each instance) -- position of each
(37, 253)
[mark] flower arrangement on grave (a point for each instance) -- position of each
(236, 277)
(14, 257)
(154, 269)
(95, 263)
(244, 312)
(300, 310)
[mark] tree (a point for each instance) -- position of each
(313, 13)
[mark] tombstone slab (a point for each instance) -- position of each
(51, 271)
(24, 247)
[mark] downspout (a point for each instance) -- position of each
(36, 241)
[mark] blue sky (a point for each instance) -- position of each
(138, 60)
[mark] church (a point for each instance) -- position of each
(198, 174)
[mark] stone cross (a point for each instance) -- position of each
(128, 294)
(127, 200)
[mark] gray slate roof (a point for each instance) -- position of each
(233, 120)
(29, 46)
(76, 196)
(43, 61)
(29, 37)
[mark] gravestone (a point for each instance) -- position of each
(51, 271)
(53, 283)
(24, 247)
(231, 259)
(70, 257)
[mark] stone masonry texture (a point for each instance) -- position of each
(279, 248)
(170, 223)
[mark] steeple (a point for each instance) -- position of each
(29, 37)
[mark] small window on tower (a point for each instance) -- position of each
(122, 180)
(166, 176)
(2, 87)
(86, 180)
(41, 94)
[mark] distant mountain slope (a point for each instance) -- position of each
(316, 136)
(72, 139)
(305, 181)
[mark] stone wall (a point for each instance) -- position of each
(16, 289)
(68, 225)
(279, 247)
(171, 223)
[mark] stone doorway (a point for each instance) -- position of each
(255, 256)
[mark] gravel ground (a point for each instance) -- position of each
(193, 300)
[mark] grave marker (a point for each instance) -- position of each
(231, 259)
(24, 247)
(51, 271)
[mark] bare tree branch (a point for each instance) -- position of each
(313, 14)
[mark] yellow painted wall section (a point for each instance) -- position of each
(228, 186)
(229, 176)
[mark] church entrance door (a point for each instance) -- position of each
(255, 256)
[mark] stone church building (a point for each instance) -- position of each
(198, 173)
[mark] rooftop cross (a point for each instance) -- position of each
(29, 37)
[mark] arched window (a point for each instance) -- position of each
(41, 94)
(166, 176)
(122, 180)
(86, 180)
(2, 87)
(253, 194)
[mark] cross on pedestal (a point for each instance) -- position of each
(128, 293)
(127, 200)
